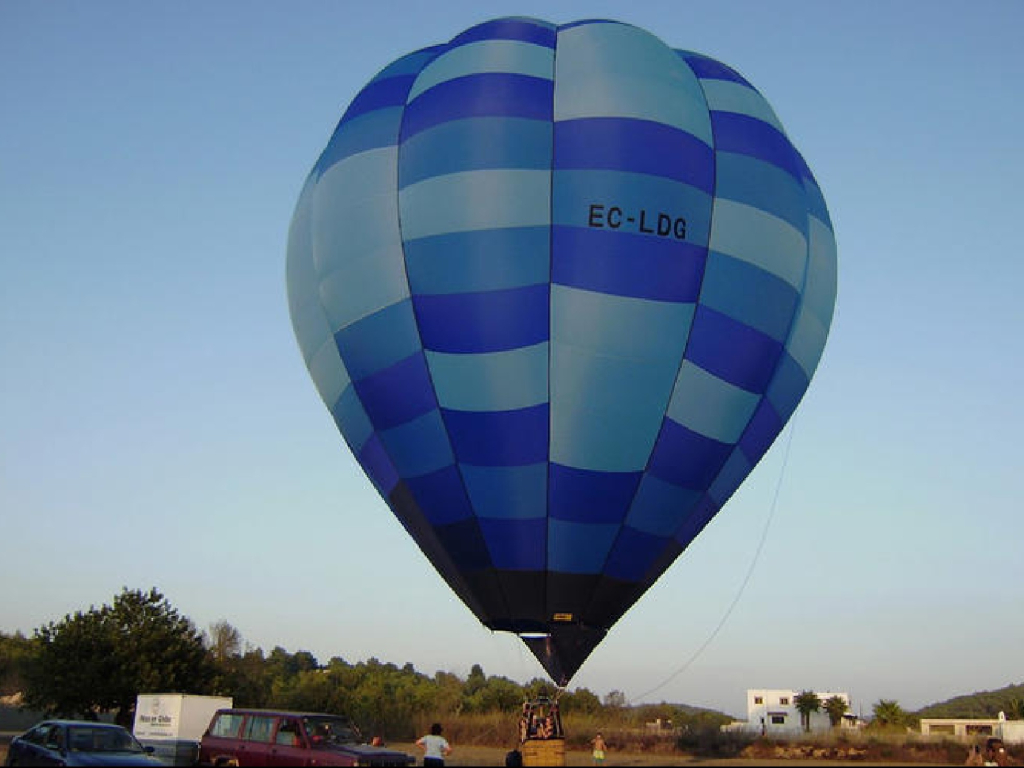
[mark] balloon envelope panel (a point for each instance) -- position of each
(560, 288)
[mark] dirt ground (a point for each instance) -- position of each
(488, 756)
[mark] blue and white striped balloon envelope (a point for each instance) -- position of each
(560, 287)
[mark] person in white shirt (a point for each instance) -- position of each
(435, 746)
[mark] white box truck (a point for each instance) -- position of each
(173, 723)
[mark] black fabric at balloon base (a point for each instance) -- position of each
(564, 650)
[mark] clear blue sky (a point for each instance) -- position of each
(158, 427)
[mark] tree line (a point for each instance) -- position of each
(96, 662)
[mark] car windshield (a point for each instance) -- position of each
(330, 730)
(101, 739)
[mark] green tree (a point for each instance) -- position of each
(16, 655)
(836, 707)
(806, 703)
(1015, 709)
(101, 659)
(888, 714)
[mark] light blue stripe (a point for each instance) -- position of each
(328, 373)
(359, 177)
(820, 289)
(418, 447)
(509, 56)
(807, 341)
(606, 410)
(308, 319)
(616, 70)
(575, 191)
(484, 260)
(602, 440)
(368, 131)
(730, 96)
(518, 493)
(312, 328)
(579, 547)
(475, 200)
(759, 238)
(476, 143)
(578, 375)
(619, 326)
(351, 418)
(363, 286)
(493, 381)
(749, 294)
(348, 231)
(710, 406)
(746, 179)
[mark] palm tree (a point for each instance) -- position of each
(888, 713)
(1016, 709)
(836, 707)
(806, 702)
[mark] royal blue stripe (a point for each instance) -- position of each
(508, 29)
(499, 438)
(694, 524)
(516, 545)
(588, 496)
(378, 467)
(685, 458)
(491, 321)
(464, 543)
(626, 263)
(710, 69)
(488, 94)
(764, 427)
(379, 94)
(397, 394)
(637, 146)
(749, 136)
(732, 351)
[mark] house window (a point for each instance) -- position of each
(784, 701)
(759, 699)
(778, 719)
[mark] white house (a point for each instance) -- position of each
(773, 711)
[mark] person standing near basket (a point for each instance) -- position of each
(435, 746)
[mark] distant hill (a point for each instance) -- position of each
(983, 704)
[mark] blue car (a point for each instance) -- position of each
(78, 742)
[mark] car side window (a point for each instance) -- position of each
(226, 725)
(288, 733)
(259, 728)
(54, 738)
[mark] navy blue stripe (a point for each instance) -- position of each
(441, 496)
(508, 29)
(465, 545)
(638, 146)
(398, 393)
(491, 321)
(710, 69)
(749, 136)
(388, 92)
(686, 458)
(480, 95)
(499, 438)
(627, 263)
(732, 351)
(588, 496)
(633, 554)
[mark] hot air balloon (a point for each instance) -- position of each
(560, 287)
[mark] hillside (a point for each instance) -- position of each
(981, 704)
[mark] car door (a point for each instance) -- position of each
(257, 736)
(289, 746)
